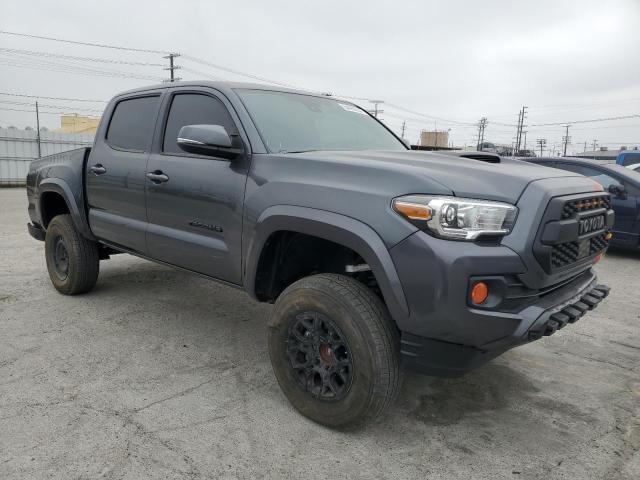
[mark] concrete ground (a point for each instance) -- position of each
(160, 374)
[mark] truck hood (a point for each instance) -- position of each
(464, 177)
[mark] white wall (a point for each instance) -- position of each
(19, 147)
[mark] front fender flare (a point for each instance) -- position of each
(339, 229)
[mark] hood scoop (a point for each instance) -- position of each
(483, 157)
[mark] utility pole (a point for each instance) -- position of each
(541, 143)
(595, 144)
(404, 127)
(482, 125)
(585, 146)
(521, 117)
(38, 130)
(172, 67)
(376, 111)
(566, 139)
(516, 145)
(525, 140)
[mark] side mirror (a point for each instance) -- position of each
(210, 140)
(617, 190)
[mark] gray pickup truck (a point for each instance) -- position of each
(375, 256)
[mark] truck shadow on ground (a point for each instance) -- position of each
(443, 401)
(491, 390)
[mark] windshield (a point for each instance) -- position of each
(291, 122)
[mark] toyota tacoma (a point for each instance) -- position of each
(376, 257)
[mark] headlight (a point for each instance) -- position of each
(457, 218)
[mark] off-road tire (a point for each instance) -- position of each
(81, 260)
(373, 343)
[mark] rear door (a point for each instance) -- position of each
(195, 215)
(115, 172)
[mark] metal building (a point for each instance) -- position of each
(19, 147)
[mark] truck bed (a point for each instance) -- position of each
(62, 173)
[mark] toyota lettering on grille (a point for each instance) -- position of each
(591, 224)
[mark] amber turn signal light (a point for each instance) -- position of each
(413, 211)
(598, 186)
(479, 293)
(608, 236)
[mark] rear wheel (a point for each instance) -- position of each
(334, 350)
(72, 260)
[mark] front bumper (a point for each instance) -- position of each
(445, 359)
(444, 335)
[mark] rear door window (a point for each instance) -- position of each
(132, 123)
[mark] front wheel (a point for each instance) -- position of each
(334, 350)
(72, 260)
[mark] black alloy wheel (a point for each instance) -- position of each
(319, 356)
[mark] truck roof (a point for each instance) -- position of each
(222, 85)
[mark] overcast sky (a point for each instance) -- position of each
(459, 60)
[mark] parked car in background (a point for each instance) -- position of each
(628, 157)
(527, 153)
(622, 183)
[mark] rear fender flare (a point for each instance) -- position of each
(61, 187)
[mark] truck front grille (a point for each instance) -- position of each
(559, 245)
(565, 254)
(572, 207)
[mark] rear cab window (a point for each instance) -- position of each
(132, 123)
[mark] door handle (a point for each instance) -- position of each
(157, 177)
(98, 169)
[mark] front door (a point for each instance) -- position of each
(115, 172)
(194, 202)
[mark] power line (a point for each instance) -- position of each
(88, 44)
(71, 68)
(33, 110)
(606, 119)
(423, 121)
(50, 106)
(72, 57)
(202, 74)
(431, 117)
(238, 72)
(53, 98)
